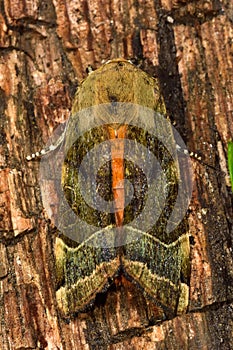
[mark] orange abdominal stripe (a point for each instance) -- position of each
(117, 150)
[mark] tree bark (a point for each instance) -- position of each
(45, 49)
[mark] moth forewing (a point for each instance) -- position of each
(82, 272)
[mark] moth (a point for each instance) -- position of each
(119, 140)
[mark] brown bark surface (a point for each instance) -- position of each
(45, 47)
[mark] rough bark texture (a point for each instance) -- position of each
(45, 47)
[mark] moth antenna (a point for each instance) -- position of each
(48, 149)
(186, 152)
(196, 156)
(89, 69)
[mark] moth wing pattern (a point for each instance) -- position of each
(161, 280)
(158, 263)
(82, 272)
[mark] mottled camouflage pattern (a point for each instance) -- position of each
(159, 262)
